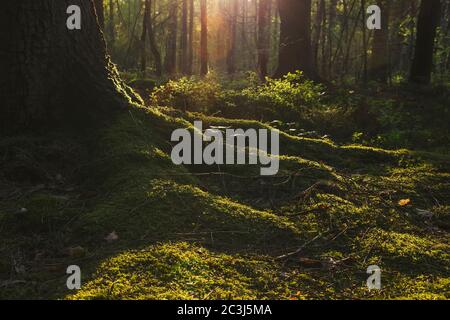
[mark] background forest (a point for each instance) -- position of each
(86, 177)
(156, 41)
(163, 37)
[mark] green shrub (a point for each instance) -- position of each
(187, 94)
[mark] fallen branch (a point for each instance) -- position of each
(288, 255)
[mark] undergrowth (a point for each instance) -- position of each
(112, 202)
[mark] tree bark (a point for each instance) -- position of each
(144, 39)
(263, 38)
(184, 39)
(399, 11)
(231, 57)
(170, 64)
(319, 24)
(295, 51)
(222, 27)
(429, 15)
(203, 38)
(364, 42)
(191, 37)
(151, 36)
(330, 42)
(100, 11)
(111, 25)
(51, 76)
(380, 58)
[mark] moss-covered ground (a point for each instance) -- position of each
(111, 201)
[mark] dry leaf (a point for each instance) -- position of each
(404, 202)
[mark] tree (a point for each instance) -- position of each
(295, 51)
(51, 76)
(364, 42)
(330, 36)
(99, 10)
(399, 11)
(203, 38)
(232, 46)
(151, 35)
(111, 26)
(144, 38)
(170, 63)
(422, 65)
(191, 37)
(379, 62)
(221, 45)
(319, 25)
(263, 37)
(184, 39)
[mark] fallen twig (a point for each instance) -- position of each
(288, 255)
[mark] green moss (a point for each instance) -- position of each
(181, 271)
(404, 250)
(236, 224)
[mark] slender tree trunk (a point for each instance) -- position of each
(231, 57)
(191, 37)
(111, 25)
(364, 34)
(379, 61)
(323, 42)
(330, 42)
(318, 27)
(399, 9)
(263, 38)
(204, 38)
(184, 39)
(153, 46)
(100, 11)
(295, 51)
(351, 34)
(51, 76)
(171, 51)
(244, 30)
(222, 26)
(429, 15)
(144, 39)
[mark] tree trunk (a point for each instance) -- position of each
(191, 37)
(170, 64)
(263, 38)
(203, 38)
(222, 27)
(144, 39)
(364, 42)
(330, 42)
(184, 39)
(231, 57)
(51, 76)
(295, 51)
(430, 12)
(379, 61)
(111, 26)
(399, 10)
(153, 46)
(320, 17)
(99, 9)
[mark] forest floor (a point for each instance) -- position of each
(139, 227)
